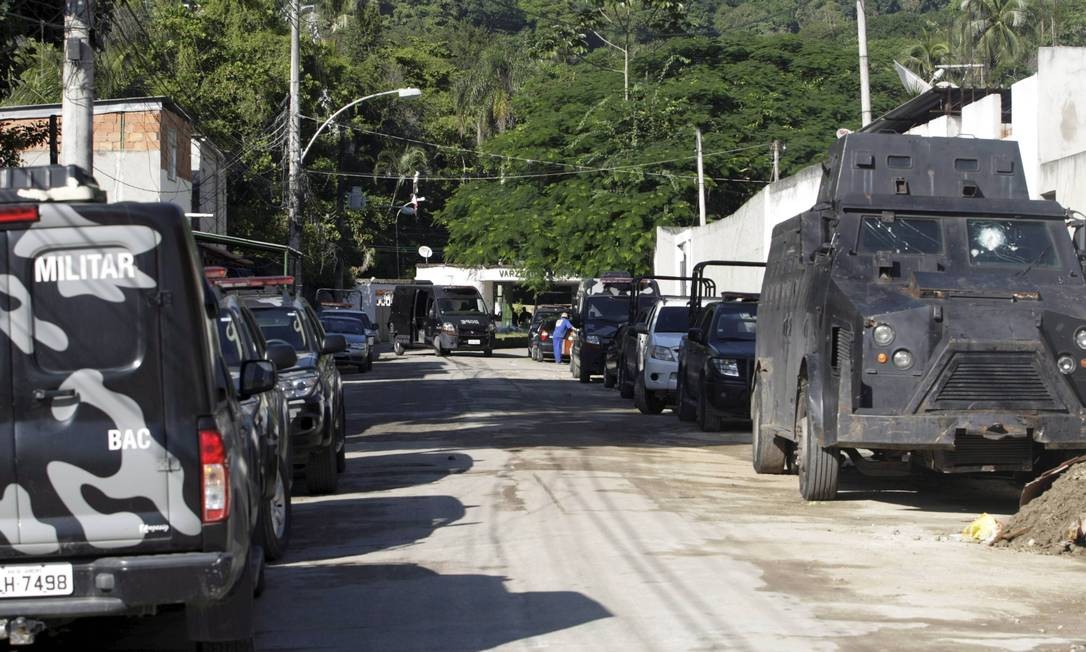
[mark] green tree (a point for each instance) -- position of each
(994, 31)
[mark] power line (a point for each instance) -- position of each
(540, 175)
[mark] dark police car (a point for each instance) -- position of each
(715, 365)
(925, 309)
(127, 480)
(601, 308)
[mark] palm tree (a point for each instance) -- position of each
(994, 29)
(924, 56)
(483, 96)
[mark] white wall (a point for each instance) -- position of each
(983, 118)
(130, 176)
(1061, 75)
(1024, 105)
(208, 168)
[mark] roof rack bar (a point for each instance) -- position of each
(217, 238)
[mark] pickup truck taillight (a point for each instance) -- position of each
(215, 480)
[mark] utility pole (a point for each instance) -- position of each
(294, 143)
(776, 160)
(865, 84)
(701, 181)
(77, 86)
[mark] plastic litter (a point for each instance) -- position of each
(984, 529)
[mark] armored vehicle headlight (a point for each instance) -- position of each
(726, 367)
(1066, 364)
(1080, 338)
(883, 334)
(903, 359)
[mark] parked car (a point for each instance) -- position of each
(447, 317)
(266, 417)
(657, 355)
(716, 363)
(313, 386)
(543, 318)
(370, 328)
(130, 480)
(354, 332)
(600, 308)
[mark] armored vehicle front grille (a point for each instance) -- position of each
(976, 450)
(842, 348)
(983, 380)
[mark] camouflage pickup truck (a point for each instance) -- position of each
(125, 480)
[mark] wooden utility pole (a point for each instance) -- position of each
(701, 181)
(77, 91)
(865, 84)
(294, 142)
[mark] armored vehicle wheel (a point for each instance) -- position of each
(609, 380)
(683, 409)
(397, 348)
(274, 527)
(646, 400)
(818, 467)
(320, 473)
(768, 453)
(707, 421)
(438, 351)
(625, 387)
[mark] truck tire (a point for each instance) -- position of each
(645, 399)
(320, 472)
(818, 468)
(488, 353)
(768, 454)
(397, 348)
(341, 437)
(228, 624)
(438, 351)
(275, 517)
(707, 421)
(625, 387)
(683, 409)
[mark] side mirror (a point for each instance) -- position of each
(282, 356)
(333, 344)
(640, 328)
(256, 376)
(694, 335)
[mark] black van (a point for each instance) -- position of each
(447, 317)
(925, 309)
(126, 481)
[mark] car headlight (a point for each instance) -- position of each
(299, 385)
(883, 334)
(902, 359)
(448, 327)
(726, 367)
(592, 339)
(1080, 338)
(490, 328)
(663, 353)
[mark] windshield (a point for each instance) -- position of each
(343, 325)
(459, 305)
(902, 235)
(673, 320)
(736, 322)
(1020, 243)
(607, 310)
(232, 341)
(283, 325)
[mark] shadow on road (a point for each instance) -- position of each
(395, 471)
(334, 527)
(931, 492)
(407, 607)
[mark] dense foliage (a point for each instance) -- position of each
(553, 136)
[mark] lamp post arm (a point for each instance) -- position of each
(333, 117)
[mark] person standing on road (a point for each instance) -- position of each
(561, 328)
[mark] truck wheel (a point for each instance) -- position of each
(341, 438)
(226, 625)
(582, 373)
(818, 468)
(274, 530)
(320, 473)
(682, 403)
(768, 453)
(438, 351)
(397, 348)
(625, 387)
(707, 421)
(645, 399)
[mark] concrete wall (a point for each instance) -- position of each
(1061, 73)
(743, 235)
(209, 176)
(984, 118)
(1024, 128)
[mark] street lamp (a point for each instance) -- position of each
(402, 92)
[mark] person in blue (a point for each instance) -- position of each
(562, 327)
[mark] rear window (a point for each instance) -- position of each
(282, 324)
(736, 322)
(673, 320)
(91, 299)
(343, 325)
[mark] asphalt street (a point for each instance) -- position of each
(498, 503)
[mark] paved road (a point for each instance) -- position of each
(496, 502)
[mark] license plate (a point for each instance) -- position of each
(475, 341)
(36, 581)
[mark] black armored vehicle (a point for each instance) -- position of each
(447, 317)
(925, 310)
(127, 477)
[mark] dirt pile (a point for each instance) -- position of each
(1054, 522)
